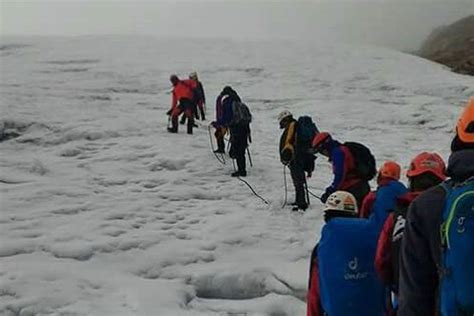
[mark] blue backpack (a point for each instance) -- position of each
(347, 278)
(385, 202)
(457, 231)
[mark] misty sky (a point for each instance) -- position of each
(400, 24)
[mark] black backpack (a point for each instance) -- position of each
(399, 219)
(305, 132)
(240, 113)
(363, 159)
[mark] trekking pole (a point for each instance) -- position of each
(220, 159)
(250, 187)
(307, 190)
(286, 187)
(250, 157)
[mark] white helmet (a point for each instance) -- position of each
(341, 201)
(283, 115)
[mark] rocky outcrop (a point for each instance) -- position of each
(452, 45)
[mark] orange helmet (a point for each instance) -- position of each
(427, 162)
(320, 139)
(465, 126)
(390, 169)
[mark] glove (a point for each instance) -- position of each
(169, 112)
(286, 156)
(214, 124)
(326, 194)
(324, 197)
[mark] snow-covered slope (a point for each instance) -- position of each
(105, 213)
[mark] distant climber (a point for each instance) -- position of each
(182, 96)
(237, 117)
(295, 145)
(199, 98)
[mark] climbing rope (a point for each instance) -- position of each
(286, 187)
(250, 157)
(250, 187)
(311, 193)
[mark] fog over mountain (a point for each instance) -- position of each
(399, 24)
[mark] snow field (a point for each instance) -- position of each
(105, 213)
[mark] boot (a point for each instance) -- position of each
(297, 208)
(190, 125)
(219, 151)
(174, 125)
(239, 174)
(220, 145)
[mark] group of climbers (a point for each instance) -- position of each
(398, 250)
(407, 252)
(426, 171)
(187, 97)
(232, 115)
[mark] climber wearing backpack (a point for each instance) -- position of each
(295, 144)
(390, 171)
(235, 116)
(426, 170)
(200, 95)
(342, 279)
(353, 166)
(436, 270)
(182, 96)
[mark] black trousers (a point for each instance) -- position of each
(299, 181)
(185, 106)
(239, 135)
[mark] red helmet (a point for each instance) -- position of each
(390, 169)
(427, 162)
(320, 139)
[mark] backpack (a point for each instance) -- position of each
(347, 279)
(457, 230)
(240, 113)
(399, 220)
(305, 132)
(193, 86)
(363, 159)
(386, 202)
